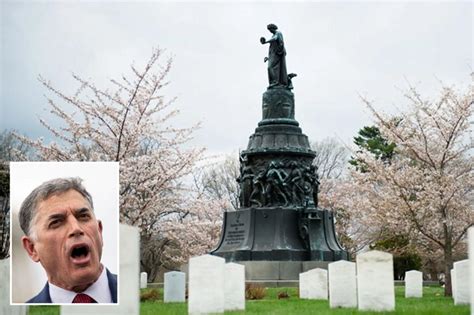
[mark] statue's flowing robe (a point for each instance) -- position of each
(276, 61)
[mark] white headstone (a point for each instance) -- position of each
(342, 284)
(143, 280)
(128, 281)
(462, 293)
(234, 287)
(413, 284)
(470, 234)
(453, 282)
(314, 284)
(5, 307)
(174, 287)
(206, 285)
(375, 282)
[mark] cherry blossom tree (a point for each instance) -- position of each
(131, 122)
(345, 199)
(426, 191)
(11, 148)
(338, 195)
(196, 232)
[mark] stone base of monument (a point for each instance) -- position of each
(265, 239)
(279, 270)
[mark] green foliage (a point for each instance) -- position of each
(404, 263)
(43, 310)
(370, 139)
(391, 243)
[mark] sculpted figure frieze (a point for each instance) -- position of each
(278, 182)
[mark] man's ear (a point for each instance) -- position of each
(29, 246)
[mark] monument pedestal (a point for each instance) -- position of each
(278, 234)
(280, 271)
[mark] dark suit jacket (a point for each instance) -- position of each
(43, 296)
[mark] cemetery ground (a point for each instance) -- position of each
(432, 303)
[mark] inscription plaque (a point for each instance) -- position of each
(236, 233)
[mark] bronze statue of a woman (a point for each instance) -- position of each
(277, 74)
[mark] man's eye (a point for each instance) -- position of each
(84, 216)
(54, 224)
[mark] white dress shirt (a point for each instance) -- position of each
(99, 291)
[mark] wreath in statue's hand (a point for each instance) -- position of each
(262, 40)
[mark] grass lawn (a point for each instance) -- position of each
(432, 303)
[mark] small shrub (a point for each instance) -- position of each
(254, 291)
(283, 295)
(150, 295)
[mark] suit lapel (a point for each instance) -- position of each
(112, 285)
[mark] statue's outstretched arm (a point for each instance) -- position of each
(272, 39)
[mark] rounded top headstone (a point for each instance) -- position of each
(207, 258)
(374, 255)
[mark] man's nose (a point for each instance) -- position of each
(75, 228)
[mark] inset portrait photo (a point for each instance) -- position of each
(64, 232)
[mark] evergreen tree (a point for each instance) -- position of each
(370, 139)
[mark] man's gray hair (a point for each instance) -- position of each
(47, 189)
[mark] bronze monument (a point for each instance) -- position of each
(279, 218)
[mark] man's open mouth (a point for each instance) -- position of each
(80, 254)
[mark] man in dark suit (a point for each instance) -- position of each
(63, 234)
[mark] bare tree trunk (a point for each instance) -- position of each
(4, 227)
(448, 265)
(433, 271)
(433, 274)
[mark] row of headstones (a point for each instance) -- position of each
(214, 286)
(314, 284)
(373, 287)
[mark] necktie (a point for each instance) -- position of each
(83, 298)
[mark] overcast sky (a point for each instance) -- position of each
(339, 50)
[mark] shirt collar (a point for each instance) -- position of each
(99, 291)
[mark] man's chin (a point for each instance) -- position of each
(81, 277)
